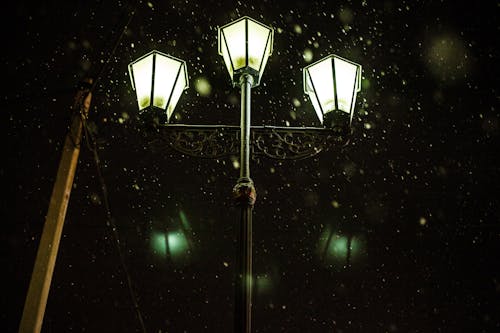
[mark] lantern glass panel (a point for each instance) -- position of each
(180, 85)
(346, 79)
(268, 51)
(166, 72)
(258, 50)
(225, 54)
(235, 38)
(310, 91)
(142, 80)
(322, 81)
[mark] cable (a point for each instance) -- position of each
(113, 50)
(92, 146)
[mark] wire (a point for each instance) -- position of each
(92, 146)
(113, 50)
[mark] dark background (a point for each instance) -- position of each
(416, 190)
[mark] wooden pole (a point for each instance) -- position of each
(38, 291)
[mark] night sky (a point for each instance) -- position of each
(415, 193)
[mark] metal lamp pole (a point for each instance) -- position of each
(245, 195)
(245, 45)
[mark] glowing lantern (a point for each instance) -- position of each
(245, 45)
(332, 84)
(159, 80)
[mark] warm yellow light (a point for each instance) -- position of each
(141, 81)
(159, 80)
(332, 84)
(245, 45)
(319, 86)
(234, 47)
(258, 45)
(347, 78)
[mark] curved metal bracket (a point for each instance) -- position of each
(202, 141)
(283, 143)
(294, 143)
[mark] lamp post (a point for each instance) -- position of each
(245, 45)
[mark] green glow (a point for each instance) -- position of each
(263, 283)
(144, 102)
(184, 220)
(357, 245)
(365, 84)
(340, 249)
(177, 244)
(338, 246)
(158, 244)
(323, 239)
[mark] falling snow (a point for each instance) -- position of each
(395, 232)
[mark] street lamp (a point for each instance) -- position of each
(245, 45)
(332, 84)
(159, 80)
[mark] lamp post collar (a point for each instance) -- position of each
(246, 78)
(244, 192)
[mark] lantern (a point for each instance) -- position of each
(159, 80)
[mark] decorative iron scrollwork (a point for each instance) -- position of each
(293, 143)
(216, 141)
(202, 141)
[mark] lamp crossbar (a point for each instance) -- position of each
(275, 142)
